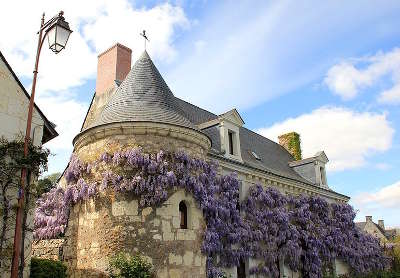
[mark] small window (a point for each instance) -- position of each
(255, 155)
(322, 172)
(183, 214)
(230, 135)
(241, 269)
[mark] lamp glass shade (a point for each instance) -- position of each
(58, 35)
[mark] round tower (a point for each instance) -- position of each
(142, 112)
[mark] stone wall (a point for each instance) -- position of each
(51, 249)
(13, 117)
(152, 137)
(14, 109)
(341, 268)
(373, 229)
(99, 229)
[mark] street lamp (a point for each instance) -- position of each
(58, 35)
(57, 31)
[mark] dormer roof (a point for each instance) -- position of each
(233, 116)
(320, 156)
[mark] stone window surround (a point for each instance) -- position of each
(320, 174)
(226, 127)
(183, 209)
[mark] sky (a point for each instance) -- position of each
(329, 70)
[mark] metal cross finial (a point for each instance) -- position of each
(145, 38)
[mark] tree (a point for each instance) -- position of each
(48, 182)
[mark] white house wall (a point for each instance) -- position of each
(14, 109)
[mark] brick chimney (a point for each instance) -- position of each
(291, 142)
(381, 224)
(368, 218)
(113, 64)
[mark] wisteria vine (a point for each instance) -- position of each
(306, 232)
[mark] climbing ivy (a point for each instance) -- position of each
(12, 161)
(294, 145)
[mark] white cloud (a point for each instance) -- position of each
(391, 96)
(383, 166)
(383, 203)
(348, 137)
(97, 24)
(348, 78)
(123, 23)
(68, 114)
(386, 197)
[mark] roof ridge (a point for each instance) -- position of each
(197, 106)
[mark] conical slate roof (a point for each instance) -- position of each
(143, 96)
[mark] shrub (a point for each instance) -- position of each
(44, 268)
(126, 266)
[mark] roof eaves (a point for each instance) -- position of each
(208, 124)
(87, 112)
(47, 124)
(269, 171)
(105, 124)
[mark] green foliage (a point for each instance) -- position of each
(291, 141)
(396, 254)
(294, 145)
(12, 156)
(12, 161)
(46, 183)
(379, 274)
(44, 268)
(126, 266)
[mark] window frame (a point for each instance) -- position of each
(183, 215)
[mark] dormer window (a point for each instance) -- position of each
(231, 135)
(229, 125)
(322, 175)
(312, 169)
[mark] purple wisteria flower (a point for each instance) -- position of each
(306, 232)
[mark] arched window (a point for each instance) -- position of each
(184, 214)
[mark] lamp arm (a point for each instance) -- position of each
(51, 21)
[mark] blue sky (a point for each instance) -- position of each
(328, 69)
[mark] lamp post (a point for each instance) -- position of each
(57, 31)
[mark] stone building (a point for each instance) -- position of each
(378, 230)
(135, 106)
(14, 101)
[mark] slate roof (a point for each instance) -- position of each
(143, 96)
(274, 158)
(361, 226)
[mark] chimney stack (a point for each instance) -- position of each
(368, 218)
(113, 64)
(291, 142)
(381, 224)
